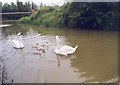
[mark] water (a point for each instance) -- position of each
(95, 60)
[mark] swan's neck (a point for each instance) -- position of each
(57, 41)
(18, 37)
(76, 47)
(57, 38)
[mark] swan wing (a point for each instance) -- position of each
(57, 51)
(64, 50)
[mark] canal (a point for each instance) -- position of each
(95, 60)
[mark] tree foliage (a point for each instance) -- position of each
(95, 15)
(18, 7)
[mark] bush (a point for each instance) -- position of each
(45, 16)
(25, 20)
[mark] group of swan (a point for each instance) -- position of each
(62, 50)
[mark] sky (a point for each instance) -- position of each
(47, 2)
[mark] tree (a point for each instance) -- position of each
(20, 6)
(0, 7)
(34, 6)
(6, 8)
(27, 6)
(13, 7)
(97, 15)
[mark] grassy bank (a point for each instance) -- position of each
(45, 16)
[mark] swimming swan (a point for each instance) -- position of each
(65, 50)
(17, 43)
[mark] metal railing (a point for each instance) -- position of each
(8, 13)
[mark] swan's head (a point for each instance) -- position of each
(76, 47)
(19, 34)
(37, 43)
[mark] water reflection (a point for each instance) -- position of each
(94, 61)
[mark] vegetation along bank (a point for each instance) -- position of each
(87, 15)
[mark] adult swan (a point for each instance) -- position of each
(17, 43)
(64, 50)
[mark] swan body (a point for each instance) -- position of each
(17, 43)
(64, 50)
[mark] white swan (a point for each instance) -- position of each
(17, 43)
(64, 50)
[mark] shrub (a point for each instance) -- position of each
(25, 20)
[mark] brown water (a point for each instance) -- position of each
(95, 60)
